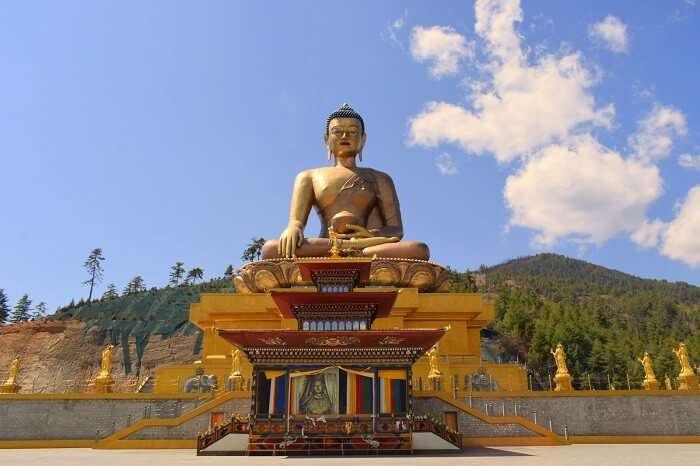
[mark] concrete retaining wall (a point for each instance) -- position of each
(626, 414)
(190, 428)
(469, 425)
(81, 419)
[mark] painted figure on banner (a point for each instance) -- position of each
(315, 399)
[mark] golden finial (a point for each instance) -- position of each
(335, 243)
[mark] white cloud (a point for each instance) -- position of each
(682, 238)
(538, 109)
(446, 164)
(654, 137)
(522, 107)
(582, 192)
(611, 32)
(649, 233)
(689, 161)
(441, 46)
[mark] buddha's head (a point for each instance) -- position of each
(345, 132)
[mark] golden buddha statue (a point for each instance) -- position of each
(434, 363)
(650, 382)
(684, 360)
(10, 385)
(359, 204)
(560, 359)
(106, 361)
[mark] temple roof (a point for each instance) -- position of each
(386, 347)
(290, 300)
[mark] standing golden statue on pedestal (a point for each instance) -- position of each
(667, 382)
(104, 380)
(360, 204)
(236, 378)
(434, 373)
(650, 382)
(687, 380)
(562, 378)
(10, 385)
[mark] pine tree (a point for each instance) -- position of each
(4, 307)
(39, 311)
(93, 266)
(20, 313)
(111, 293)
(136, 285)
(176, 274)
(195, 274)
(229, 271)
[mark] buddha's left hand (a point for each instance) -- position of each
(358, 231)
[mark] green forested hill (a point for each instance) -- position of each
(586, 278)
(158, 311)
(605, 318)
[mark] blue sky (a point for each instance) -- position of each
(171, 131)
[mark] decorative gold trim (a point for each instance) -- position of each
(273, 341)
(342, 340)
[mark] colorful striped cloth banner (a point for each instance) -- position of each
(392, 396)
(358, 393)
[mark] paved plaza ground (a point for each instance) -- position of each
(574, 455)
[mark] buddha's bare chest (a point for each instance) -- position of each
(333, 186)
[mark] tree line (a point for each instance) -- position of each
(93, 265)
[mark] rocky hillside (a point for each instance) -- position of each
(64, 355)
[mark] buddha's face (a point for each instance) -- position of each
(345, 137)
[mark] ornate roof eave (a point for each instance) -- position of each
(385, 347)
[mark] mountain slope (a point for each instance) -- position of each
(605, 318)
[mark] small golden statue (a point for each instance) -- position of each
(104, 380)
(562, 378)
(650, 382)
(687, 380)
(434, 372)
(236, 378)
(10, 385)
(667, 382)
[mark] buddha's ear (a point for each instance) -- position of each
(325, 138)
(364, 138)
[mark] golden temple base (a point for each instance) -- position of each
(104, 384)
(688, 382)
(460, 348)
(9, 388)
(563, 383)
(652, 384)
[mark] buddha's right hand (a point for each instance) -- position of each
(290, 239)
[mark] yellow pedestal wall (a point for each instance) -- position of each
(465, 313)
